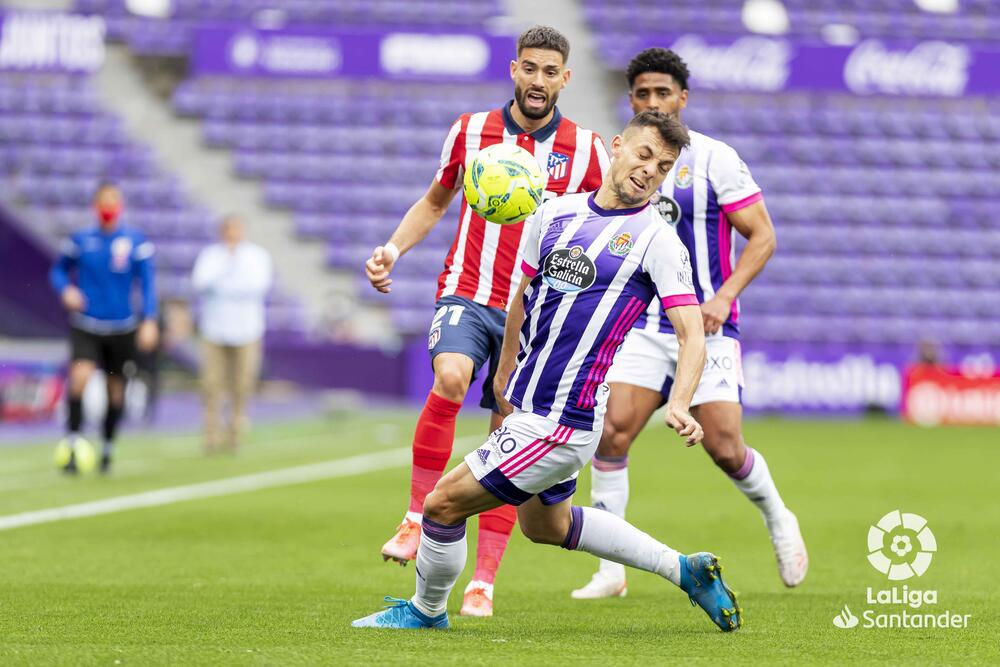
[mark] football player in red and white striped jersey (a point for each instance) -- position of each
(480, 277)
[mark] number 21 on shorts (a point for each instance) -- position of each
(453, 320)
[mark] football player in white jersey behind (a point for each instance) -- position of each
(592, 264)
(708, 194)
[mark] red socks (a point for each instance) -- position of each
(432, 444)
(495, 528)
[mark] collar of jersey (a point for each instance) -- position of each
(541, 134)
(611, 212)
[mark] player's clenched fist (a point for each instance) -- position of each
(73, 299)
(685, 425)
(715, 312)
(377, 268)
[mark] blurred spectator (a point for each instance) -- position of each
(929, 352)
(232, 279)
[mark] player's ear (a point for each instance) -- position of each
(513, 69)
(567, 73)
(683, 99)
(616, 145)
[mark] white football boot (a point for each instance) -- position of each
(789, 549)
(607, 582)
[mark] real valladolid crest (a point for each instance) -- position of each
(901, 546)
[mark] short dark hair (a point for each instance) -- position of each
(659, 60)
(672, 131)
(105, 185)
(543, 37)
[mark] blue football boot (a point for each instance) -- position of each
(701, 579)
(402, 615)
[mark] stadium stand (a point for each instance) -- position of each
(880, 203)
(349, 159)
(807, 18)
(884, 213)
(57, 142)
(173, 36)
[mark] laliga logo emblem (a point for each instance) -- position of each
(901, 545)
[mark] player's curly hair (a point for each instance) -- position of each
(673, 132)
(663, 61)
(544, 37)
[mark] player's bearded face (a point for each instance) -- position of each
(641, 163)
(534, 102)
(539, 75)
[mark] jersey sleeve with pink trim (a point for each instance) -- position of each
(731, 179)
(668, 264)
(452, 157)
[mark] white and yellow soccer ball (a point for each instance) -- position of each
(504, 184)
(86, 455)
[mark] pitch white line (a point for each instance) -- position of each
(312, 472)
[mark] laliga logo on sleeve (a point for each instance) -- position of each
(901, 545)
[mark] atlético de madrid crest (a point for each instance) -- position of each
(621, 245)
(558, 162)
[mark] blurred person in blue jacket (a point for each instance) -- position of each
(94, 276)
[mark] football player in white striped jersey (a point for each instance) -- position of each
(708, 196)
(592, 263)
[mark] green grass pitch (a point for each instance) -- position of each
(274, 576)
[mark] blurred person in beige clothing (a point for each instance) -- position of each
(232, 279)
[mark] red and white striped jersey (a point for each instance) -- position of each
(482, 263)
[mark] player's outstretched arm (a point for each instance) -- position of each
(416, 224)
(690, 362)
(754, 224)
(511, 346)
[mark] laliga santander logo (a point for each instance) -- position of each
(901, 545)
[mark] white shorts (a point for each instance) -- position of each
(649, 359)
(532, 455)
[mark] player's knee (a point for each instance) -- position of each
(725, 446)
(541, 533)
(439, 506)
(451, 383)
(615, 439)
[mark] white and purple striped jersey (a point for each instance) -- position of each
(593, 273)
(708, 181)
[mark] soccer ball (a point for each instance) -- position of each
(504, 184)
(86, 457)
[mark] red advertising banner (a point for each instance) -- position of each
(29, 391)
(934, 395)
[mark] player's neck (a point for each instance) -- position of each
(529, 125)
(606, 199)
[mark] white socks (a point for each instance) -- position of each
(440, 560)
(613, 538)
(609, 491)
(754, 480)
